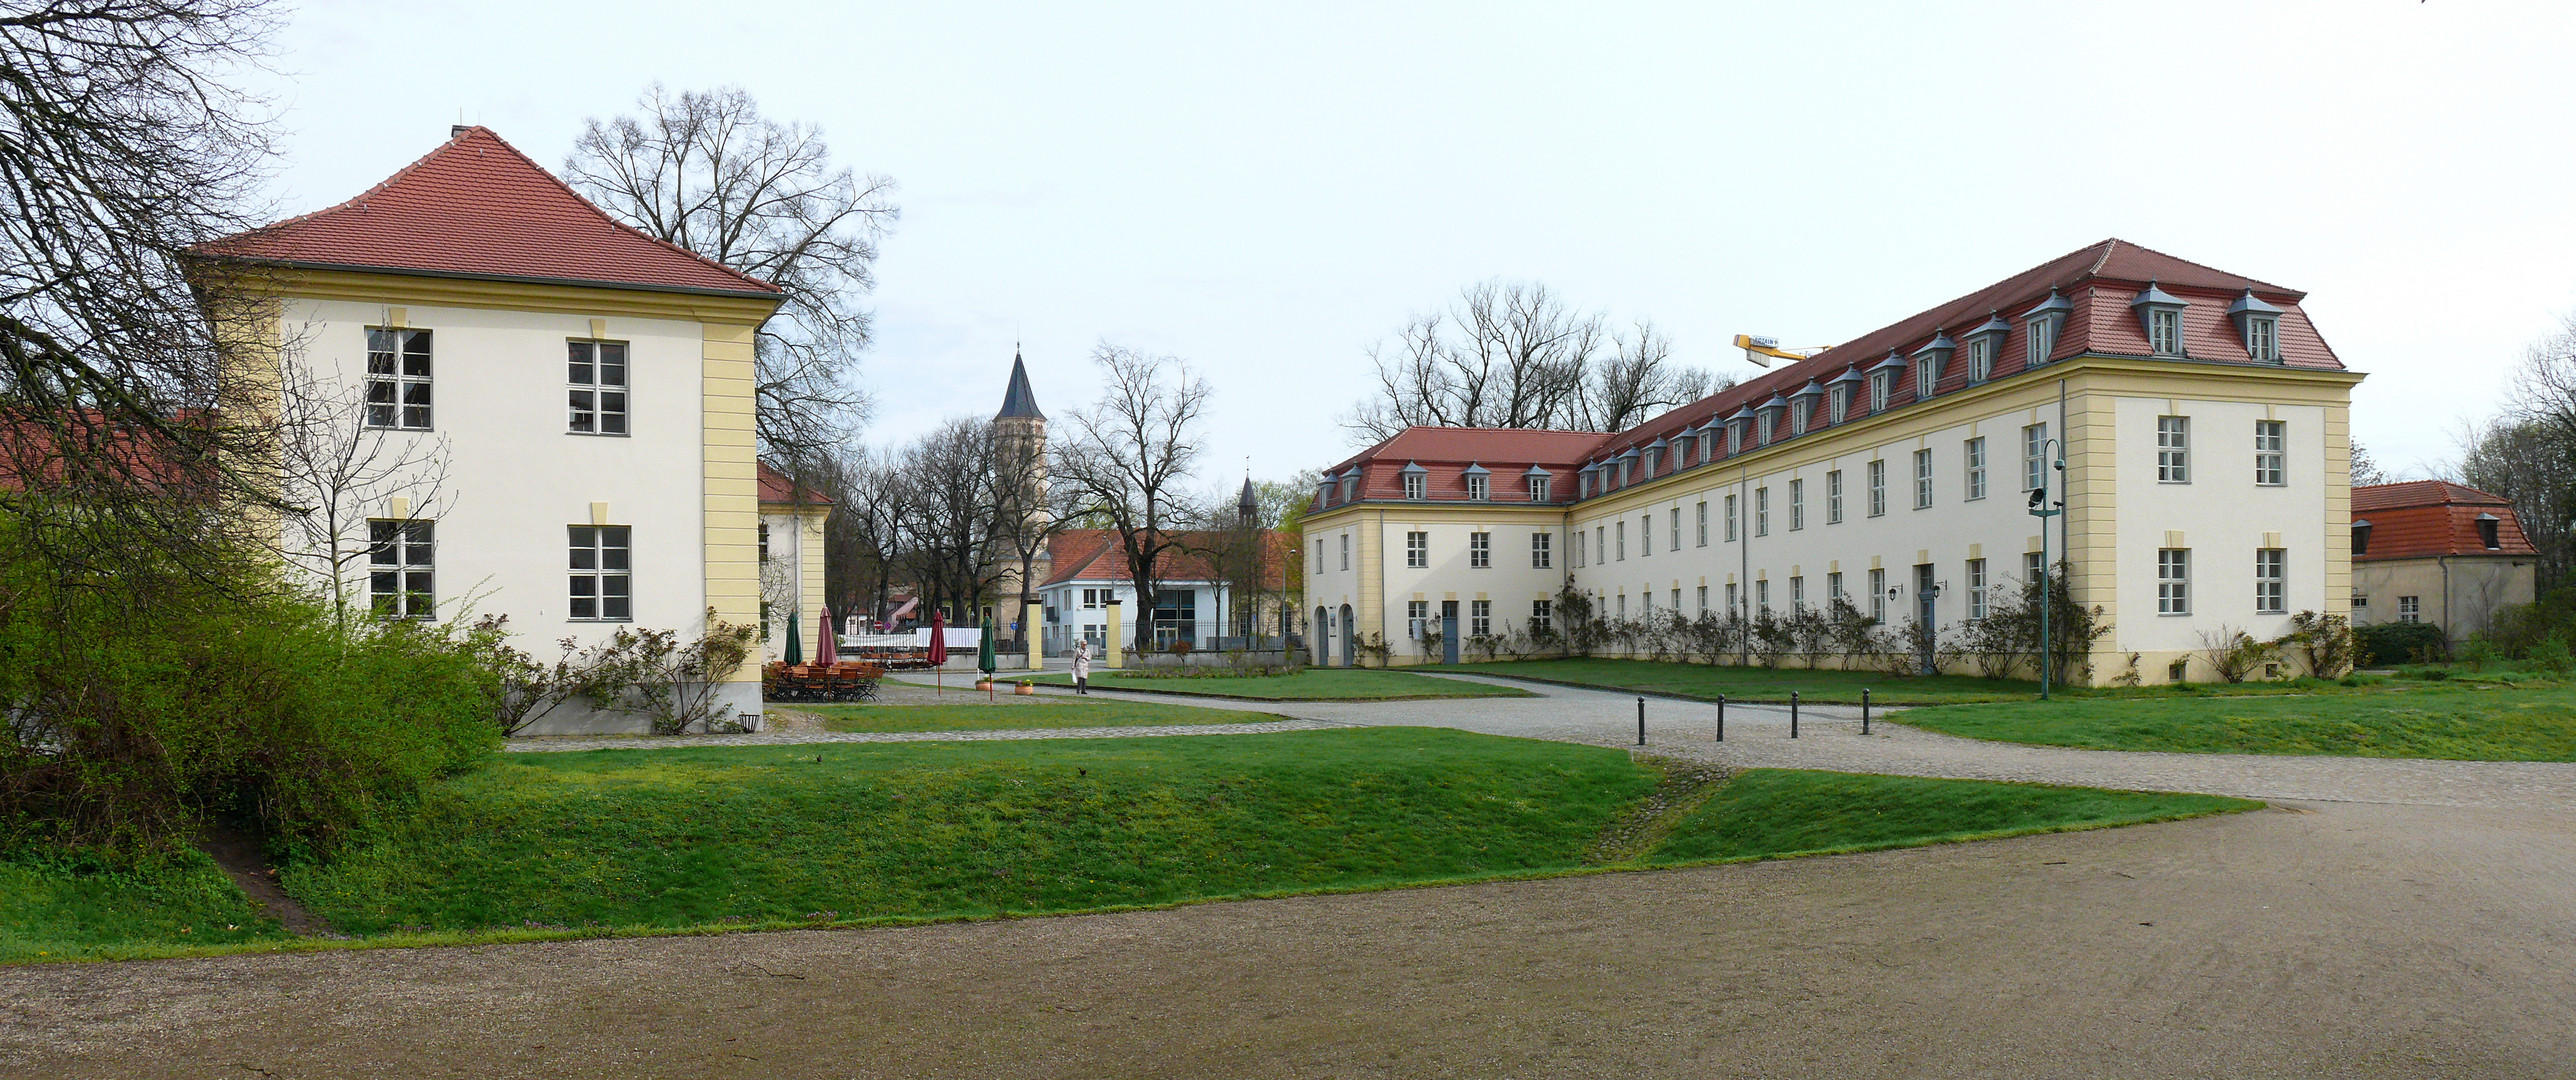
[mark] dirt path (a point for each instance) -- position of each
(2354, 940)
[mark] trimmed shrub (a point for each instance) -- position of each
(2391, 644)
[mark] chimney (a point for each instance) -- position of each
(457, 130)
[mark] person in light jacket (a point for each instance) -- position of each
(1082, 667)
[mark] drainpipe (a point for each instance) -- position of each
(2444, 561)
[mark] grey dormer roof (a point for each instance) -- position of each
(1019, 402)
(1994, 324)
(1776, 402)
(1630, 456)
(2155, 297)
(1536, 471)
(1850, 375)
(1744, 413)
(1810, 390)
(1892, 363)
(1413, 468)
(1659, 444)
(2054, 305)
(1474, 469)
(1940, 343)
(2250, 304)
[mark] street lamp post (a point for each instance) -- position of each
(2043, 509)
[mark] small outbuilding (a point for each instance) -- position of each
(2432, 551)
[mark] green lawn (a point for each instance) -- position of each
(1308, 684)
(53, 908)
(1707, 681)
(1766, 813)
(604, 842)
(2391, 719)
(1044, 712)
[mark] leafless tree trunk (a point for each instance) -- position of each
(952, 516)
(336, 473)
(1131, 455)
(707, 172)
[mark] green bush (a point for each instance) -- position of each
(2551, 655)
(2391, 644)
(141, 705)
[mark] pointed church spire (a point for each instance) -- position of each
(1019, 401)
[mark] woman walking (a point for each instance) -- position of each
(1082, 667)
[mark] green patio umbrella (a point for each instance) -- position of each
(795, 647)
(984, 651)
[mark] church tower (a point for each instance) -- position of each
(1020, 432)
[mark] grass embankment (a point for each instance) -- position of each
(681, 841)
(1037, 713)
(2388, 719)
(1705, 682)
(1307, 684)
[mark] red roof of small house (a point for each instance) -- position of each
(2427, 518)
(1506, 454)
(776, 488)
(2097, 282)
(1077, 555)
(477, 207)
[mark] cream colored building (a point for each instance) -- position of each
(590, 389)
(2431, 551)
(2204, 431)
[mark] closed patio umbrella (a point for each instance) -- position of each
(827, 648)
(939, 649)
(984, 657)
(795, 648)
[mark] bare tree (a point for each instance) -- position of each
(336, 474)
(951, 539)
(1131, 456)
(2533, 465)
(1514, 355)
(863, 539)
(122, 151)
(705, 171)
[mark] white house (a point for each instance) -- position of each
(2202, 424)
(591, 387)
(1191, 601)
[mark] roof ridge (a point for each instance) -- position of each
(594, 208)
(2202, 265)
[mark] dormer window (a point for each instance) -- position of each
(1763, 422)
(1417, 480)
(1984, 343)
(2360, 536)
(1708, 442)
(1351, 484)
(1652, 457)
(1838, 403)
(2490, 532)
(2160, 314)
(2040, 326)
(1479, 483)
(1928, 362)
(2259, 324)
(1537, 485)
(1583, 484)
(1800, 405)
(1882, 385)
(1627, 461)
(1324, 494)
(1735, 434)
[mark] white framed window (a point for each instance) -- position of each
(1600, 544)
(1797, 505)
(1834, 497)
(764, 541)
(2360, 600)
(1645, 535)
(1735, 438)
(596, 375)
(1346, 551)
(2173, 449)
(1833, 586)
(603, 587)
(1730, 519)
(1763, 420)
(1417, 618)
(1623, 605)
(1619, 531)
(1798, 595)
(1838, 403)
(1762, 511)
(1976, 455)
(398, 370)
(1538, 488)
(1542, 616)
(1877, 488)
(1676, 545)
(402, 568)
(1480, 550)
(2263, 338)
(2410, 609)
(1480, 488)
(1877, 595)
(1981, 357)
(2034, 457)
(2271, 581)
(1417, 549)
(1319, 558)
(2039, 338)
(1541, 557)
(1976, 588)
(1480, 617)
(1927, 376)
(2031, 566)
(2164, 331)
(2173, 581)
(2271, 451)
(1762, 596)
(1733, 608)
(1881, 385)
(1703, 599)
(1677, 600)
(1415, 485)
(1798, 409)
(1922, 479)
(1702, 513)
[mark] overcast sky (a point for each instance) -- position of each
(1266, 195)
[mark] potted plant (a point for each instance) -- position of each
(1024, 687)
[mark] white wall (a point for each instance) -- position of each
(516, 478)
(2222, 516)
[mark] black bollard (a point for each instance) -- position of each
(1641, 721)
(1721, 718)
(1864, 710)
(1793, 714)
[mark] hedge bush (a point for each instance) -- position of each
(2391, 644)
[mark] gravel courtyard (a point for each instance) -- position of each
(2385, 918)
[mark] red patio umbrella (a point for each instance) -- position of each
(827, 645)
(938, 650)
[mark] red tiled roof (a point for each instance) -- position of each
(1094, 555)
(1507, 454)
(2427, 518)
(775, 487)
(477, 207)
(2099, 281)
